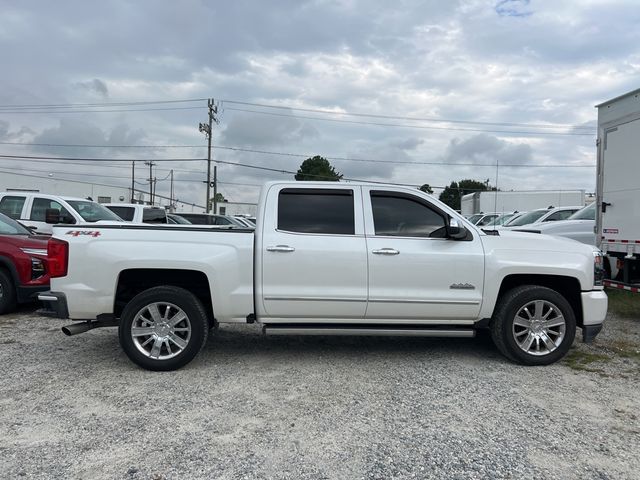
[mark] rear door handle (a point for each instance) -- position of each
(280, 248)
(386, 251)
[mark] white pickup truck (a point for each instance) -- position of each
(327, 259)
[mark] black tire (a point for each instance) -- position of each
(136, 311)
(503, 330)
(7, 293)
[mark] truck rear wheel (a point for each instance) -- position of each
(163, 328)
(533, 325)
(7, 293)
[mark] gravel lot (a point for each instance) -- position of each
(308, 407)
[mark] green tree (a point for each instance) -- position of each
(219, 199)
(452, 194)
(317, 169)
(426, 188)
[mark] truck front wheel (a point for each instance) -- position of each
(163, 328)
(533, 325)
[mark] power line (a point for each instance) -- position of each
(100, 104)
(421, 127)
(300, 155)
(415, 119)
(103, 185)
(40, 112)
(12, 107)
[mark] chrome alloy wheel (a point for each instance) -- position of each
(539, 327)
(161, 330)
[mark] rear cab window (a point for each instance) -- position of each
(11, 206)
(125, 213)
(316, 211)
(154, 215)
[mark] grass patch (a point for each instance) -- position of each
(625, 349)
(624, 303)
(578, 360)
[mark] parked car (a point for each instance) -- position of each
(138, 213)
(328, 258)
(486, 219)
(502, 219)
(177, 219)
(542, 215)
(212, 219)
(23, 264)
(580, 226)
(38, 211)
(245, 222)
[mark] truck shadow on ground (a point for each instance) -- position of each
(230, 342)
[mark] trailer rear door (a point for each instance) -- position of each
(621, 188)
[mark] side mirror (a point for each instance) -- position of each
(52, 216)
(455, 230)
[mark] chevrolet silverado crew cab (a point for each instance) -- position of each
(327, 259)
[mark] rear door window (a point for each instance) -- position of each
(11, 206)
(326, 211)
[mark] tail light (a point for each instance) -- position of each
(58, 257)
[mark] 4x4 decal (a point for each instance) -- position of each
(77, 233)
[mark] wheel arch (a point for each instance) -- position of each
(568, 287)
(6, 264)
(133, 281)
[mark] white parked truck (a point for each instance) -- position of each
(327, 258)
(504, 202)
(618, 186)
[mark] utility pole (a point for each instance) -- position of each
(207, 130)
(171, 207)
(133, 181)
(151, 164)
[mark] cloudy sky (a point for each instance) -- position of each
(407, 91)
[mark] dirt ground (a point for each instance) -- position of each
(306, 407)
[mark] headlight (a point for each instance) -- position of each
(598, 269)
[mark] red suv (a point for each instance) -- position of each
(23, 264)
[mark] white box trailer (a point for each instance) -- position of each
(618, 186)
(523, 201)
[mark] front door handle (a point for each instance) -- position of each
(386, 251)
(280, 248)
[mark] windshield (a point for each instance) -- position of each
(474, 218)
(587, 213)
(500, 220)
(178, 219)
(527, 218)
(9, 226)
(92, 211)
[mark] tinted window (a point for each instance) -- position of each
(316, 211)
(154, 215)
(41, 205)
(12, 206)
(396, 215)
(125, 213)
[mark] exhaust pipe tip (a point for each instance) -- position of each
(76, 328)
